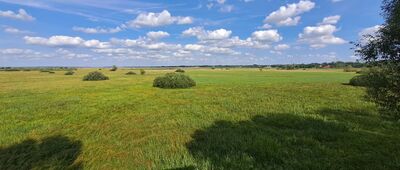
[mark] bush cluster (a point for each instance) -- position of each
(95, 76)
(174, 81)
(69, 73)
(360, 80)
(130, 73)
(180, 70)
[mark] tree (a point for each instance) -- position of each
(381, 51)
(114, 68)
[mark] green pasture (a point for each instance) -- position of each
(232, 119)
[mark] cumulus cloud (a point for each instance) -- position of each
(20, 15)
(266, 35)
(157, 19)
(289, 15)
(202, 34)
(60, 41)
(321, 35)
(98, 30)
(157, 34)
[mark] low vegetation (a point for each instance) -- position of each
(130, 73)
(180, 71)
(237, 119)
(68, 73)
(142, 72)
(360, 80)
(174, 81)
(95, 76)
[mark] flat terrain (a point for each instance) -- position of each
(233, 119)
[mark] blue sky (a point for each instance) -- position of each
(182, 32)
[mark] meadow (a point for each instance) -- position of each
(232, 119)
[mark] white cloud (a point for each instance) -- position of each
(322, 35)
(194, 47)
(60, 41)
(369, 31)
(13, 30)
(281, 47)
(221, 1)
(330, 20)
(20, 15)
(157, 19)
(98, 30)
(227, 8)
(202, 34)
(157, 34)
(289, 15)
(266, 35)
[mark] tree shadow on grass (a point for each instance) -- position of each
(288, 141)
(56, 152)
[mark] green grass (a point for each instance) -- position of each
(232, 119)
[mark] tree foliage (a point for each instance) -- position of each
(114, 68)
(382, 50)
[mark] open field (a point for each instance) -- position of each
(232, 119)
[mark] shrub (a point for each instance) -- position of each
(95, 76)
(114, 68)
(51, 72)
(180, 70)
(173, 81)
(142, 72)
(360, 80)
(349, 68)
(130, 73)
(69, 73)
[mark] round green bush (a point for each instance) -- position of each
(69, 73)
(174, 81)
(180, 70)
(360, 80)
(95, 76)
(52, 72)
(130, 73)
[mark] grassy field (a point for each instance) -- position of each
(232, 119)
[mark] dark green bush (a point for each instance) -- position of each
(130, 73)
(173, 81)
(142, 72)
(69, 73)
(51, 72)
(114, 68)
(95, 76)
(180, 70)
(360, 80)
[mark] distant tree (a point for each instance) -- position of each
(382, 51)
(142, 72)
(114, 68)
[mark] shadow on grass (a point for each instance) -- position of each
(56, 152)
(288, 141)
